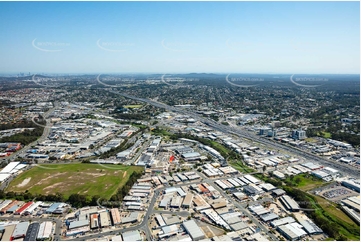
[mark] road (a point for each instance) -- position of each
(248, 135)
(41, 138)
(238, 205)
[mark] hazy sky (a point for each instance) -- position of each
(168, 37)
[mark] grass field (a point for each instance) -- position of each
(305, 182)
(67, 179)
(347, 228)
(133, 106)
(326, 135)
(241, 167)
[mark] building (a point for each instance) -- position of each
(115, 215)
(193, 230)
(32, 232)
(187, 202)
(282, 221)
(94, 222)
(279, 175)
(310, 227)
(133, 235)
(20, 230)
(104, 219)
(299, 134)
(6, 236)
(45, 230)
(352, 184)
(292, 231)
(289, 203)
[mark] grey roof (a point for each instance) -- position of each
(282, 221)
(20, 229)
(269, 216)
(80, 223)
(239, 226)
(194, 231)
(310, 227)
(133, 235)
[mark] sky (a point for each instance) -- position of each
(180, 37)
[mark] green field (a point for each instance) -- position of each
(79, 178)
(305, 182)
(133, 106)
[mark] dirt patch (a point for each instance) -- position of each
(125, 173)
(24, 182)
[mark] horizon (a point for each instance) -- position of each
(181, 37)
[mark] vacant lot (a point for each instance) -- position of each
(133, 106)
(67, 179)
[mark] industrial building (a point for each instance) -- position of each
(289, 203)
(104, 219)
(45, 230)
(115, 215)
(310, 227)
(292, 231)
(20, 230)
(132, 236)
(352, 184)
(193, 230)
(32, 232)
(8, 232)
(187, 202)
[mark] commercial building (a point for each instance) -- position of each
(32, 232)
(310, 227)
(289, 203)
(45, 230)
(282, 221)
(115, 215)
(104, 219)
(8, 232)
(352, 184)
(292, 231)
(133, 235)
(187, 202)
(193, 230)
(20, 230)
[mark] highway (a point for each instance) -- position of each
(250, 136)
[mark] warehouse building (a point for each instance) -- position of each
(32, 232)
(94, 223)
(45, 230)
(310, 227)
(176, 202)
(115, 215)
(104, 219)
(289, 203)
(292, 231)
(279, 175)
(9, 230)
(187, 202)
(282, 221)
(193, 230)
(352, 184)
(20, 230)
(252, 179)
(278, 192)
(269, 217)
(133, 235)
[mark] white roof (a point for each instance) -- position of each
(10, 167)
(193, 229)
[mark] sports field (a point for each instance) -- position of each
(67, 179)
